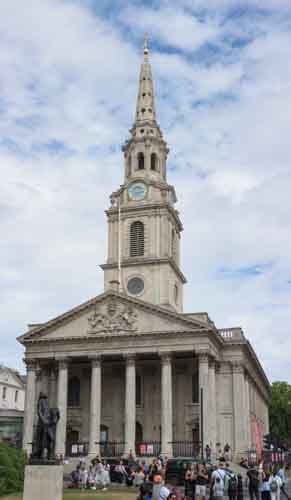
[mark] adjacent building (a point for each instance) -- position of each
(129, 369)
(12, 396)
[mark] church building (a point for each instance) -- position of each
(128, 369)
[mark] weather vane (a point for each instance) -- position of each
(145, 47)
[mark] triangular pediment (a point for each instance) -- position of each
(112, 314)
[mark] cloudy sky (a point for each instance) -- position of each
(68, 85)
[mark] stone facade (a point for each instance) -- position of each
(129, 367)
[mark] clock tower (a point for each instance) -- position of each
(144, 228)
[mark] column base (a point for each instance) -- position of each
(167, 452)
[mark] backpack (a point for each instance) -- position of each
(273, 486)
(232, 483)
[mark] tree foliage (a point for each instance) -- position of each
(280, 411)
(12, 463)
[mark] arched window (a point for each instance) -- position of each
(140, 161)
(136, 239)
(74, 392)
(154, 161)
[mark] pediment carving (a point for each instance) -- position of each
(116, 318)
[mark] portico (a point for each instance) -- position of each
(156, 408)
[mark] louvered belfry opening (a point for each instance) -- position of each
(136, 239)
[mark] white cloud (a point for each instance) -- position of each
(70, 75)
(172, 26)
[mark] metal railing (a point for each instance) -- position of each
(271, 457)
(112, 449)
(186, 449)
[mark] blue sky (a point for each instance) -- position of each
(68, 85)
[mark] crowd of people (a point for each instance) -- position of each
(201, 480)
(262, 482)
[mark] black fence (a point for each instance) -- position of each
(112, 449)
(268, 456)
(186, 449)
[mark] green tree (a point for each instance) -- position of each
(12, 463)
(280, 411)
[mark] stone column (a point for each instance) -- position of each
(130, 406)
(204, 385)
(247, 410)
(166, 405)
(29, 412)
(95, 407)
(240, 444)
(62, 398)
(212, 406)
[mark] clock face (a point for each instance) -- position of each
(137, 191)
(135, 286)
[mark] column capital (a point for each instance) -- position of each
(237, 367)
(95, 360)
(212, 363)
(130, 358)
(217, 367)
(203, 356)
(62, 361)
(31, 364)
(166, 356)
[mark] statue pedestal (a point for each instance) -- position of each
(43, 482)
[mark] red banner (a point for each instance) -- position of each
(257, 433)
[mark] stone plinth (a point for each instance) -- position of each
(43, 482)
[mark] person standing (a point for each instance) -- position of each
(201, 482)
(240, 487)
(208, 453)
(254, 481)
(265, 486)
(190, 482)
(217, 486)
(282, 474)
(275, 483)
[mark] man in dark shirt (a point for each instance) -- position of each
(253, 477)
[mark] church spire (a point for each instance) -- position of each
(145, 108)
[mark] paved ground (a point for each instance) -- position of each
(124, 494)
(102, 495)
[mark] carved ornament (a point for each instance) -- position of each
(118, 318)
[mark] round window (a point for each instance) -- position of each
(135, 286)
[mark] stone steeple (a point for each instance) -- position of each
(146, 151)
(144, 226)
(145, 107)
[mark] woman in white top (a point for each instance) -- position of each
(275, 483)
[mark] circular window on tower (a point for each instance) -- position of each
(135, 286)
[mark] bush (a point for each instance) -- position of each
(12, 463)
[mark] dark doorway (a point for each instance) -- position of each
(138, 436)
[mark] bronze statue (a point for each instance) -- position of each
(44, 443)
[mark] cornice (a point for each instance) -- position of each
(125, 335)
(144, 207)
(133, 261)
